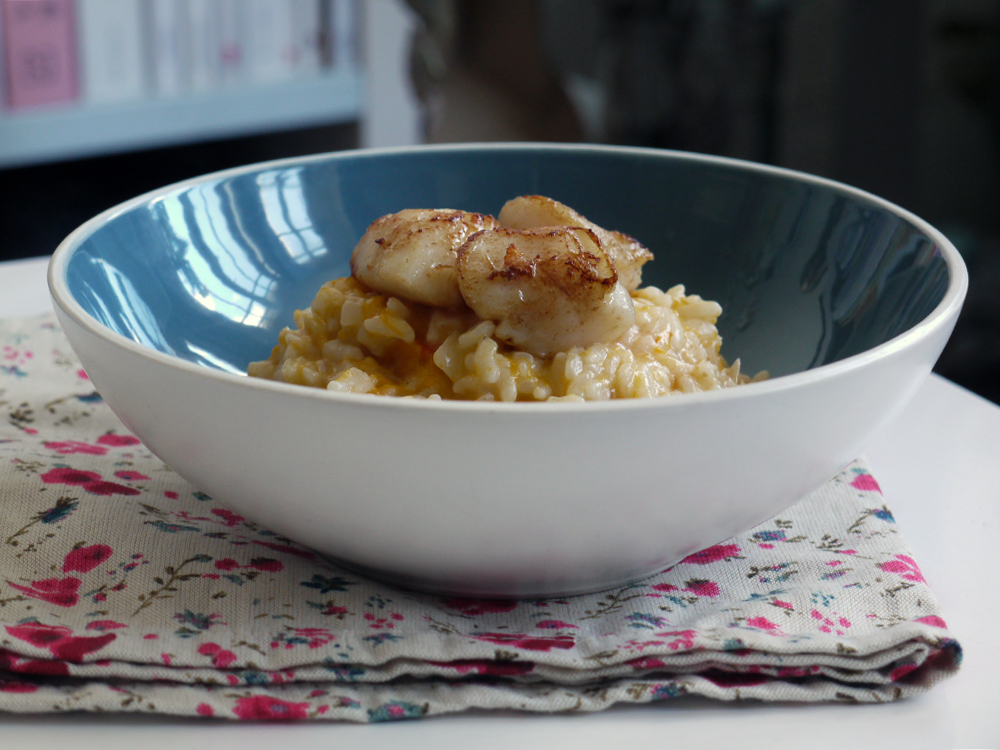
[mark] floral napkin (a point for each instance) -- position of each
(124, 588)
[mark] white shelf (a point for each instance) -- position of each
(35, 136)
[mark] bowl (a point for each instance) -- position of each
(846, 299)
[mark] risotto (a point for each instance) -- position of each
(358, 339)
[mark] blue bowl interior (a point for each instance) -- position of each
(807, 273)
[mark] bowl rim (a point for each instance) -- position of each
(942, 315)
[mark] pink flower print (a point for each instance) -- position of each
(109, 488)
(132, 476)
(797, 671)
(59, 640)
(733, 679)
(646, 662)
(702, 588)
(58, 591)
(17, 356)
(504, 668)
(377, 623)
(69, 476)
(901, 671)
(528, 642)
(280, 678)
(315, 637)
(90, 481)
(117, 441)
(266, 564)
(932, 620)
(487, 667)
(905, 566)
(475, 607)
(228, 517)
(16, 664)
(555, 625)
(782, 604)
(684, 639)
(866, 483)
(220, 657)
(203, 709)
(263, 707)
(712, 554)
(17, 687)
(75, 446)
(85, 559)
(102, 625)
(664, 587)
(828, 625)
(764, 624)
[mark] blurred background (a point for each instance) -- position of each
(102, 100)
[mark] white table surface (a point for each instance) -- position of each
(939, 467)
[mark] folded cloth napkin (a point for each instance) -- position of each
(123, 588)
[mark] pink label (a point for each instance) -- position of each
(40, 44)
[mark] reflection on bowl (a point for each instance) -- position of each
(847, 300)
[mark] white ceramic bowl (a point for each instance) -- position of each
(845, 298)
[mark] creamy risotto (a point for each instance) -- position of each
(446, 304)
